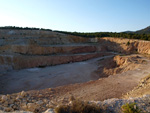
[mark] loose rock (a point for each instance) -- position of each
(4, 98)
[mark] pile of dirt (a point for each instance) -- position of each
(118, 64)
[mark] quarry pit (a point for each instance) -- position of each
(55, 66)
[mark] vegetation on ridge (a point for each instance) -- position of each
(130, 35)
(24, 28)
(109, 34)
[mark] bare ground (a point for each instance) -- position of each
(113, 86)
(53, 76)
(74, 79)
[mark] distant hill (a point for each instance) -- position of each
(128, 32)
(144, 31)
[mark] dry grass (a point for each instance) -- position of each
(130, 108)
(78, 106)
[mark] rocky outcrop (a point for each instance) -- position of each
(37, 48)
(118, 64)
(34, 48)
(50, 50)
(44, 105)
(126, 46)
(37, 37)
(21, 61)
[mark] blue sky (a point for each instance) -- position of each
(76, 15)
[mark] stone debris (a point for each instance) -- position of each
(23, 94)
(4, 98)
(49, 111)
(29, 105)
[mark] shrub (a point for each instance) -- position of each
(130, 108)
(79, 107)
(128, 43)
(62, 109)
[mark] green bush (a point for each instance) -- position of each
(79, 107)
(62, 109)
(128, 43)
(130, 108)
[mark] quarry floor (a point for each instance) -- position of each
(74, 79)
(52, 76)
(114, 86)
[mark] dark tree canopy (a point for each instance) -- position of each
(109, 34)
(130, 35)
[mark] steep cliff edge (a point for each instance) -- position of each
(118, 64)
(37, 37)
(37, 48)
(126, 46)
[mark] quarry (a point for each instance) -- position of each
(40, 70)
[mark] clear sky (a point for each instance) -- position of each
(76, 15)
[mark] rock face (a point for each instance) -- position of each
(37, 48)
(118, 64)
(127, 46)
(37, 37)
(49, 50)
(20, 61)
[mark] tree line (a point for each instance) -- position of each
(110, 34)
(131, 35)
(24, 28)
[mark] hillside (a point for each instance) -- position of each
(143, 34)
(144, 31)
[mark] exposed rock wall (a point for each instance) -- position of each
(118, 64)
(49, 50)
(21, 61)
(38, 37)
(126, 45)
(33, 48)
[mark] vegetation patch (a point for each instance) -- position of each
(131, 108)
(128, 43)
(109, 34)
(78, 106)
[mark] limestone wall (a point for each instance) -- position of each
(20, 61)
(38, 37)
(125, 45)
